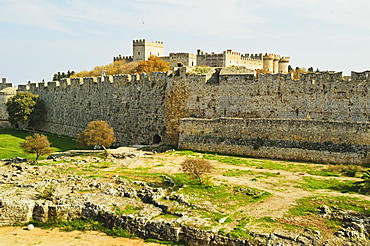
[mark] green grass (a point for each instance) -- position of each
(257, 163)
(10, 140)
(83, 225)
(129, 209)
(310, 205)
(317, 170)
(254, 174)
(324, 173)
(237, 172)
(164, 242)
(224, 198)
(310, 183)
(240, 231)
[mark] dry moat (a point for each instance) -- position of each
(245, 201)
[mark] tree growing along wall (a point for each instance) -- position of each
(25, 108)
(98, 133)
(37, 144)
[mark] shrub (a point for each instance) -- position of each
(37, 144)
(197, 168)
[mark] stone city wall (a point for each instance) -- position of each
(6, 91)
(132, 105)
(141, 106)
(319, 96)
(278, 96)
(307, 140)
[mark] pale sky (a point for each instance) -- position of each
(41, 37)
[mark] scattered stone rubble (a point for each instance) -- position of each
(40, 193)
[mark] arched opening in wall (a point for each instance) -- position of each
(157, 139)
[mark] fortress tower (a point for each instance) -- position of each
(283, 64)
(275, 63)
(142, 49)
(6, 91)
(268, 62)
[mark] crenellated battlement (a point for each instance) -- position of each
(153, 79)
(321, 77)
(285, 59)
(253, 56)
(181, 55)
(360, 76)
(144, 41)
(231, 52)
(275, 77)
(269, 56)
(140, 106)
(161, 78)
(120, 58)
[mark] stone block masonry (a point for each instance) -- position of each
(145, 107)
(307, 140)
(132, 105)
(6, 91)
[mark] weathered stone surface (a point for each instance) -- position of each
(106, 202)
(13, 211)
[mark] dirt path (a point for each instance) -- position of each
(282, 187)
(20, 236)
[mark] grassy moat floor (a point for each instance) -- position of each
(241, 195)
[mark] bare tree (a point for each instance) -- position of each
(197, 168)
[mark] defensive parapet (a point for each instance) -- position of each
(144, 41)
(361, 76)
(4, 84)
(253, 56)
(275, 77)
(6, 91)
(283, 64)
(231, 52)
(181, 59)
(120, 58)
(268, 62)
(319, 77)
(113, 81)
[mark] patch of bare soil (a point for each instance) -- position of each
(20, 236)
(282, 187)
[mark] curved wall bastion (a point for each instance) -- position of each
(148, 108)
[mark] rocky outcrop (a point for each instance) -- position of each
(24, 198)
(355, 226)
(355, 230)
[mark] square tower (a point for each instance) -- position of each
(142, 49)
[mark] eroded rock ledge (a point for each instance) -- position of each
(73, 197)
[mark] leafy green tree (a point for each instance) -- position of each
(98, 133)
(197, 168)
(38, 114)
(25, 106)
(37, 144)
(58, 76)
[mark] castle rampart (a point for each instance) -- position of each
(6, 91)
(132, 104)
(142, 106)
(308, 140)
